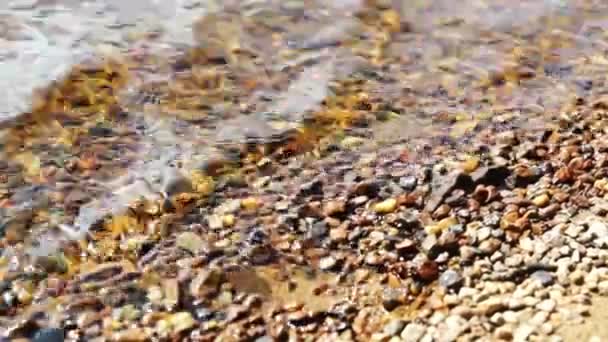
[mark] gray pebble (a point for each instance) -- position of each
(450, 279)
(544, 277)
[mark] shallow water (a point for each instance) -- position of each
(170, 88)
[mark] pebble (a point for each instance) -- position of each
(394, 327)
(49, 335)
(510, 316)
(408, 183)
(181, 321)
(599, 229)
(454, 326)
(386, 206)
(491, 305)
(174, 182)
(413, 332)
(573, 230)
(483, 233)
(530, 301)
(541, 200)
(539, 318)
(333, 208)
(504, 333)
(132, 335)
(547, 328)
(522, 333)
(602, 288)
(250, 203)
(577, 277)
(545, 278)
(191, 242)
(327, 263)
(214, 222)
(228, 220)
(450, 279)
(441, 226)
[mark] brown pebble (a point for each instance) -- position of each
(333, 208)
(428, 270)
(563, 175)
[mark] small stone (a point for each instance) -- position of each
(191, 242)
(470, 165)
(333, 208)
(428, 270)
(24, 296)
(413, 332)
(394, 327)
(573, 231)
(368, 188)
(545, 278)
(181, 321)
(228, 220)
(132, 335)
(49, 335)
(450, 279)
(351, 142)
(338, 234)
(602, 288)
(547, 305)
(391, 300)
(264, 338)
(530, 301)
(408, 183)
(577, 277)
(489, 246)
(441, 226)
(155, 294)
(206, 281)
(491, 306)
(504, 333)
(539, 318)
(174, 182)
(386, 206)
(599, 229)
(523, 332)
(251, 203)
(327, 263)
(455, 325)
(451, 300)
(314, 187)
(170, 293)
(547, 328)
(510, 316)
(445, 186)
(215, 222)
(541, 200)
(483, 233)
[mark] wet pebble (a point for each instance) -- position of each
(413, 332)
(49, 335)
